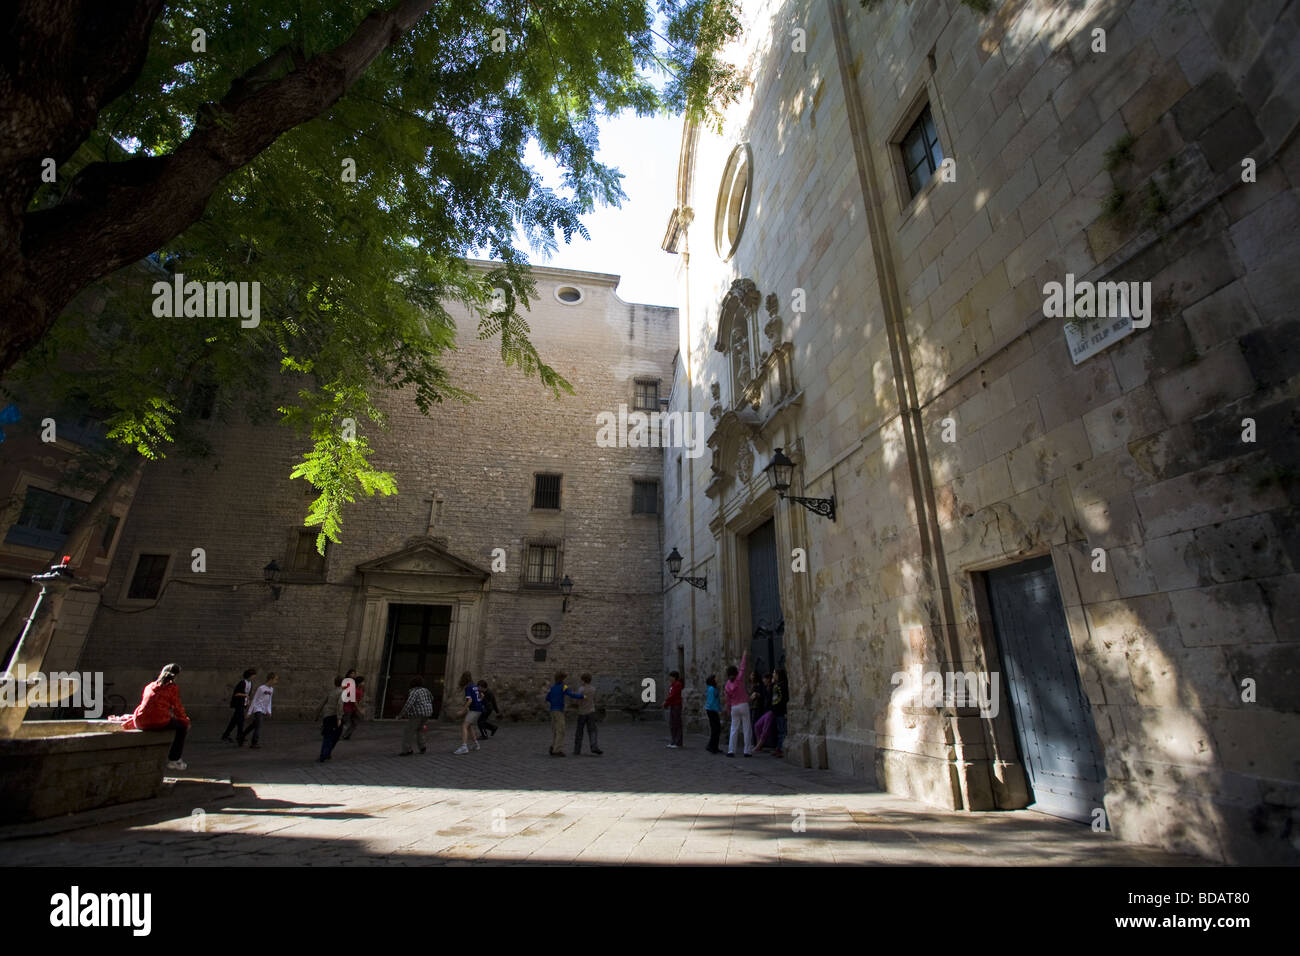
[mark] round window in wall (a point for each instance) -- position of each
(540, 633)
(569, 294)
(733, 201)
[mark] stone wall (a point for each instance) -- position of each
(465, 479)
(927, 312)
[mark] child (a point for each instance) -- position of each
(161, 709)
(259, 707)
(738, 704)
(586, 717)
(712, 706)
(331, 711)
(489, 707)
(473, 708)
(417, 709)
(764, 727)
(780, 700)
(555, 698)
(673, 704)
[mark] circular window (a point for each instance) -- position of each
(733, 201)
(540, 633)
(568, 294)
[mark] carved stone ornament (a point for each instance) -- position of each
(716, 391)
(745, 462)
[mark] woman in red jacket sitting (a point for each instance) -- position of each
(161, 709)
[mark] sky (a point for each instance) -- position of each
(625, 240)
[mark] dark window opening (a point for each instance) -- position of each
(305, 556)
(645, 497)
(922, 154)
(147, 581)
(46, 520)
(203, 401)
(546, 491)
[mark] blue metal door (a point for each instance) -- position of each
(1058, 740)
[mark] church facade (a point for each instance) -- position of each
(1012, 294)
(500, 501)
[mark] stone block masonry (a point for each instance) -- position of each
(455, 537)
(1157, 477)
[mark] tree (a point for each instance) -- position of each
(345, 176)
(199, 91)
(345, 159)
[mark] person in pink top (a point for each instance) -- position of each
(737, 699)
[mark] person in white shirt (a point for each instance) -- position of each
(259, 707)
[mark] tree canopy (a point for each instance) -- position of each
(344, 156)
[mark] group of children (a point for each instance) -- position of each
(757, 710)
(479, 705)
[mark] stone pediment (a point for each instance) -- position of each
(426, 556)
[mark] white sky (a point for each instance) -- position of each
(625, 240)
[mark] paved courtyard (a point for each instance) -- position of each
(511, 802)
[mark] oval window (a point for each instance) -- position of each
(568, 294)
(733, 201)
(540, 633)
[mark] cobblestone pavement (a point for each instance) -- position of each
(511, 802)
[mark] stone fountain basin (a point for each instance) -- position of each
(53, 767)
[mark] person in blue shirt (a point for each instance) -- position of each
(555, 697)
(713, 710)
(473, 710)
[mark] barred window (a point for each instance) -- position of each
(647, 395)
(539, 568)
(645, 497)
(546, 491)
(922, 154)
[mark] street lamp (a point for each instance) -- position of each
(566, 588)
(675, 565)
(271, 575)
(779, 472)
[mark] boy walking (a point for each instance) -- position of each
(331, 728)
(673, 704)
(417, 709)
(489, 707)
(259, 707)
(586, 716)
(239, 704)
(555, 698)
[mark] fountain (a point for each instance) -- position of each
(53, 767)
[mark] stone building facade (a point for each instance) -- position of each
(499, 500)
(1101, 514)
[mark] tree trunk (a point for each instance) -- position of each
(116, 213)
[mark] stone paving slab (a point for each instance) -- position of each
(511, 802)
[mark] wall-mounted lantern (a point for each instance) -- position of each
(675, 565)
(779, 472)
(566, 588)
